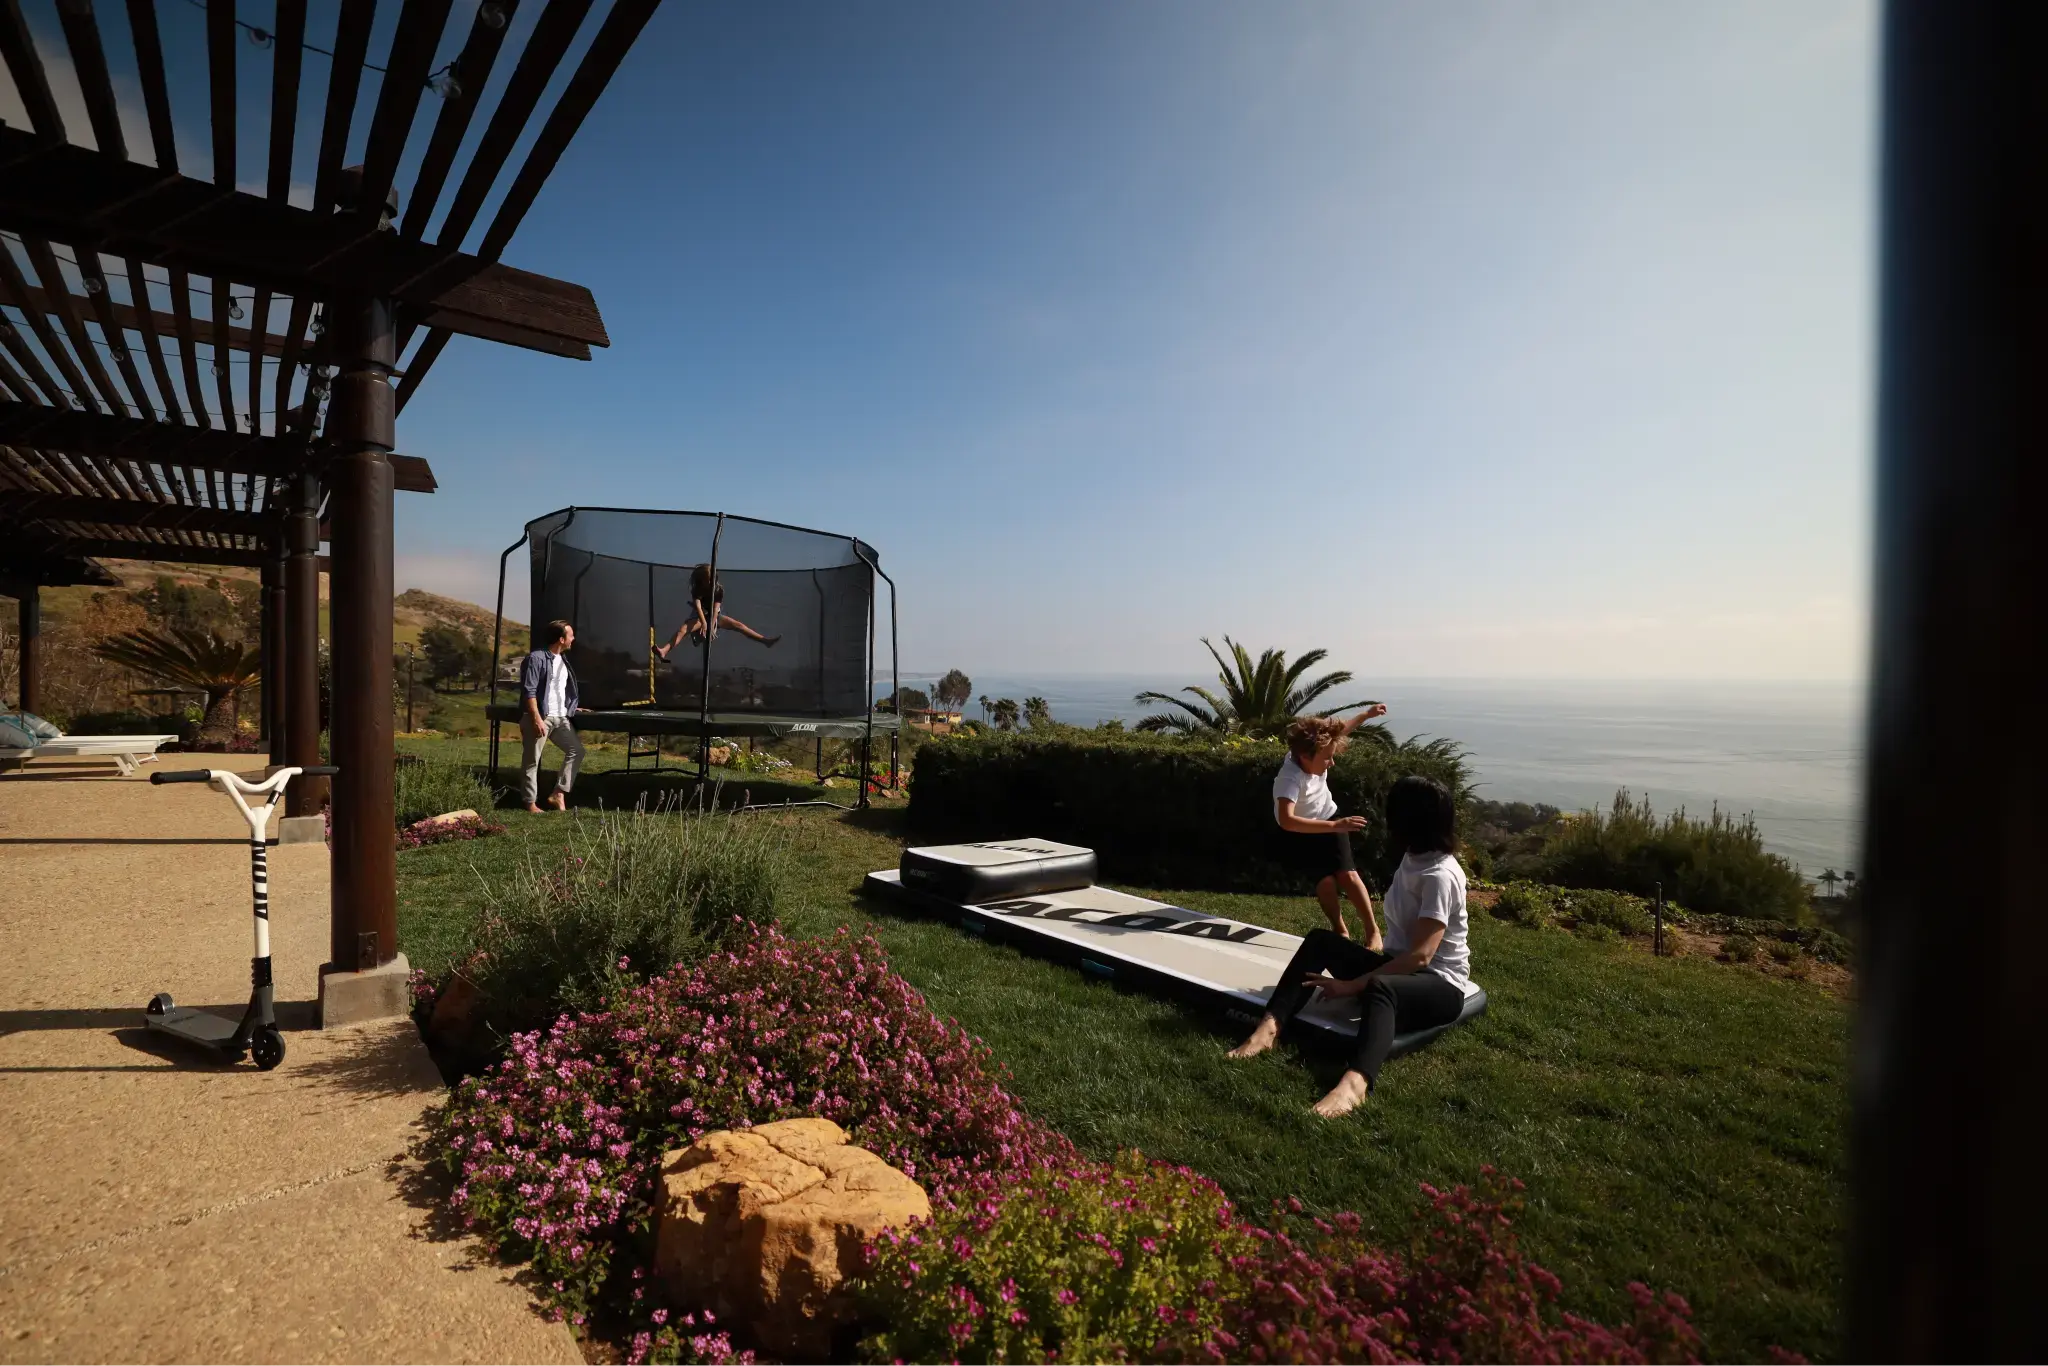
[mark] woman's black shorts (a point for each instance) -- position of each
(1316, 856)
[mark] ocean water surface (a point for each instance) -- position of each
(1791, 754)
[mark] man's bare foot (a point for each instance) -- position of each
(558, 802)
(1347, 1095)
(532, 808)
(1262, 1039)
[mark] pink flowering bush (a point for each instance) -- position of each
(436, 830)
(1461, 1291)
(1080, 1261)
(556, 1151)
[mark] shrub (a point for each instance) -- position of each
(133, 722)
(1783, 953)
(1526, 903)
(653, 890)
(432, 787)
(1156, 809)
(1739, 948)
(1617, 911)
(1596, 931)
(1717, 865)
(1074, 1263)
(557, 1151)
(1463, 1291)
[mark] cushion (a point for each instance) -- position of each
(37, 726)
(14, 735)
(1475, 1006)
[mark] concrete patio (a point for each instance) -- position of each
(161, 1206)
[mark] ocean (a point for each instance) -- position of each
(1791, 754)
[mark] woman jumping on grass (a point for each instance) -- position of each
(1426, 975)
(707, 603)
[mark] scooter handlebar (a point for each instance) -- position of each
(184, 775)
(319, 771)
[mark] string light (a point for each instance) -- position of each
(234, 307)
(493, 16)
(259, 37)
(94, 284)
(444, 83)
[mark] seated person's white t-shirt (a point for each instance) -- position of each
(1432, 887)
(1310, 792)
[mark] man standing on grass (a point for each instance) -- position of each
(547, 699)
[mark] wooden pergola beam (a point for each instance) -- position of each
(109, 548)
(109, 204)
(128, 318)
(109, 436)
(120, 512)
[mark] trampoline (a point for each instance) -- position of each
(623, 577)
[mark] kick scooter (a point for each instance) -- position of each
(257, 1033)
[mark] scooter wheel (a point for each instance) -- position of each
(160, 1004)
(268, 1048)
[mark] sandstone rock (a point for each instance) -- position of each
(449, 817)
(763, 1225)
(721, 754)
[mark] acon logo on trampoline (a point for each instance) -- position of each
(1227, 930)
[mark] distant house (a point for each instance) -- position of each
(933, 719)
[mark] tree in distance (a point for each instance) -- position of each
(204, 661)
(1004, 712)
(1259, 699)
(1037, 713)
(953, 690)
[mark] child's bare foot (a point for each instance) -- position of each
(661, 651)
(769, 641)
(1347, 1095)
(1262, 1039)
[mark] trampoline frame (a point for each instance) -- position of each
(861, 552)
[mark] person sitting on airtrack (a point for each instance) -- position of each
(1424, 977)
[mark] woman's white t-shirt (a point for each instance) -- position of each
(1310, 792)
(1432, 887)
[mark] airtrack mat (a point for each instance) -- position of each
(1146, 944)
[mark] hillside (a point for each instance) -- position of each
(223, 597)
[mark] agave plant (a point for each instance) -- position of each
(200, 660)
(1258, 699)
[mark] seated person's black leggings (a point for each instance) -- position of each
(1393, 1005)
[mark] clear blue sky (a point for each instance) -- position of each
(1465, 339)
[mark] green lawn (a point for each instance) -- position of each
(1678, 1122)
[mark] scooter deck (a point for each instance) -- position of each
(189, 1022)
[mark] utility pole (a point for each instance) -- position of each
(408, 687)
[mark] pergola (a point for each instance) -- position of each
(197, 372)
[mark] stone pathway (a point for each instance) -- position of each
(161, 1206)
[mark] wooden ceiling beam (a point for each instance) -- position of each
(104, 203)
(152, 323)
(109, 548)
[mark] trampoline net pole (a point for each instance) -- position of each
(710, 634)
(497, 643)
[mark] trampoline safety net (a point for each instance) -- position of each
(623, 578)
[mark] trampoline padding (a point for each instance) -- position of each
(995, 869)
(1133, 940)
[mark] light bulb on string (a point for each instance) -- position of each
(234, 307)
(95, 285)
(493, 16)
(259, 37)
(444, 83)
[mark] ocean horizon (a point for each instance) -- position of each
(1790, 754)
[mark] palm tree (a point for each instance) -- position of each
(203, 661)
(1828, 879)
(984, 708)
(1259, 699)
(1004, 711)
(1037, 712)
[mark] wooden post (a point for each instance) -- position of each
(301, 653)
(1946, 1252)
(30, 652)
(364, 919)
(275, 636)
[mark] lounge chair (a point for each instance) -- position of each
(25, 736)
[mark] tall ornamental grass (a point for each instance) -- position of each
(434, 787)
(1717, 866)
(604, 899)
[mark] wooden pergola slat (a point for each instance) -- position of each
(26, 65)
(170, 552)
(151, 324)
(473, 68)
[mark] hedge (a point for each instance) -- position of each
(1158, 810)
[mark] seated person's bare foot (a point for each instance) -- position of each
(1347, 1095)
(1262, 1039)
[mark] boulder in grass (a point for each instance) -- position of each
(450, 818)
(764, 1225)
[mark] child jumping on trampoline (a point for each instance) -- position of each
(707, 602)
(1314, 839)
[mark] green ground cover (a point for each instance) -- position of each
(1678, 1121)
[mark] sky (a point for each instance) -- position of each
(1487, 340)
